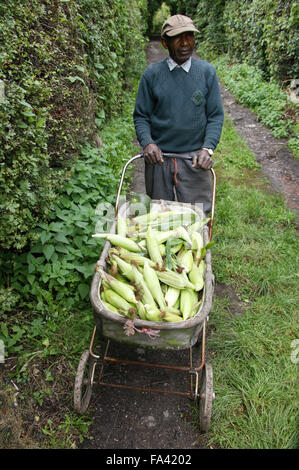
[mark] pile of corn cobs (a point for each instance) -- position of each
(155, 266)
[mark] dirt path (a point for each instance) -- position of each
(127, 419)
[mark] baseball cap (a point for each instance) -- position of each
(177, 24)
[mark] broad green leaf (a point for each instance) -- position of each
(61, 238)
(83, 290)
(44, 237)
(48, 251)
(4, 330)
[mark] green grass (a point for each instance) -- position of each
(255, 256)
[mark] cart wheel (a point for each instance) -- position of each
(206, 397)
(83, 382)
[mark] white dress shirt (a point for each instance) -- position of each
(172, 64)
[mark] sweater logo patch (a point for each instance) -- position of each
(197, 98)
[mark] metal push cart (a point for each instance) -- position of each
(155, 335)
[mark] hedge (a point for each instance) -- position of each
(64, 67)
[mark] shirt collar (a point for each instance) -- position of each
(172, 64)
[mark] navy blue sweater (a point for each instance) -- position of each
(179, 111)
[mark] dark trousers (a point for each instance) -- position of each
(176, 178)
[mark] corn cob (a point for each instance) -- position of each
(153, 284)
(163, 236)
(196, 277)
(110, 307)
(125, 268)
(138, 258)
(119, 302)
(177, 304)
(153, 248)
(141, 310)
(121, 226)
(121, 288)
(197, 225)
(173, 310)
(185, 260)
(197, 242)
(174, 279)
(142, 287)
(168, 316)
(175, 220)
(144, 218)
(181, 232)
(119, 240)
(202, 267)
(162, 249)
(172, 296)
(188, 300)
(152, 312)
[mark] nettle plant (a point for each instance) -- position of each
(58, 268)
(64, 68)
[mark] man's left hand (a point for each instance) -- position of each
(203, 160)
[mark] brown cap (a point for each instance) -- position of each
(177, 24)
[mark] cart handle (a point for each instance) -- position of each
(173, 155)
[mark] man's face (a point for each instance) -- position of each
(180, 47)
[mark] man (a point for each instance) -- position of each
(178, 109)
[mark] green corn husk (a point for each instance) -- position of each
(196, 277)
(141, 310)
(197, 242)
(152, 313)
(121, 226)
(172, 296)
(185, 260)
(163, 236)
(188, 300)
(202, 267)
(173, 310)
(176, 248)
(181, 232)
(139, 259)
(119, 302)
(102, 295)
(197, 225)
(174, 220)
(120, 241)
(144, 219)
(153, 248)
(121, 288)
(153, 283)
(142, 287)
(174, 279)
(170, 317)
(162, 249)
(124, 267)
(110, 307)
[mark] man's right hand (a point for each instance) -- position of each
(153, 154)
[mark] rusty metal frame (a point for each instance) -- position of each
(192, 370)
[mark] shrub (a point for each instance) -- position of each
(65, 66)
